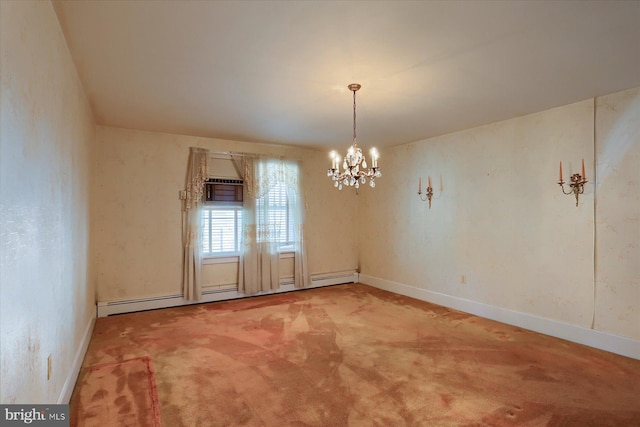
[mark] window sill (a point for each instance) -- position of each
(228, 259)
(225, 259)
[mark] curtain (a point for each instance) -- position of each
(191, 223)
(240, 165)
(260, 257)
(262, 236)
(301, 275)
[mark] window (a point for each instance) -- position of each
(271, 218)
(275, 217)
(221, 217)
(221, 230)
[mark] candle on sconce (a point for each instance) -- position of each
(428, 191)
(560, 171)
(576, 184)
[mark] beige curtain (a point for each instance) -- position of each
(191, 223)
(260, 259)
(295, 196)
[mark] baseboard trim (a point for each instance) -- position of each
(72, 376)
(578, 334)
(212, 295)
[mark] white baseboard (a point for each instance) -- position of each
(72, 375)
(286, 285)
(578, 334)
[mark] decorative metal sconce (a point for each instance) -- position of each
(427, 191)
(577, 183)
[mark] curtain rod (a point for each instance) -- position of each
(238, 154)
(225, 154)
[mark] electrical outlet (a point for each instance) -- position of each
(49, 366)
(463, 279)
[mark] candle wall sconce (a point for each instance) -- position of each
(428, 191)
(577, 183)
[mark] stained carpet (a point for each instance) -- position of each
(353, 355)
(121, 394)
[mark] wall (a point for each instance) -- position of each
(47, 129)
(618, 214)
(500, 236)
(137, 227)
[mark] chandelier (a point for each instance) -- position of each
(354, 165)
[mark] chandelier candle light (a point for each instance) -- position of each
(354, 165)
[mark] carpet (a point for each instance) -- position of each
(118, 394)
(353, 355)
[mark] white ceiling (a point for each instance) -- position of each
(277, 72)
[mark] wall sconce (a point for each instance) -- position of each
(427, 191)
(577, 183)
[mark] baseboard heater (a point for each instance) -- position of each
(108, 308)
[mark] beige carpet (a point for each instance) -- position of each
(358, 356)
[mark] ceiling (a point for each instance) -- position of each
(277, 71)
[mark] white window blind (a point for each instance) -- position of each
(221, 230)
(278, 216)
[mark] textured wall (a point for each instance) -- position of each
(499, 219)
(618, 214)
(137, 227)
(47, 129)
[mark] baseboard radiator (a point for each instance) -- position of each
(220, 293)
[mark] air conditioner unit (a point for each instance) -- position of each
(220, 190)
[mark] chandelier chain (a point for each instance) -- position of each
(355, 143)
